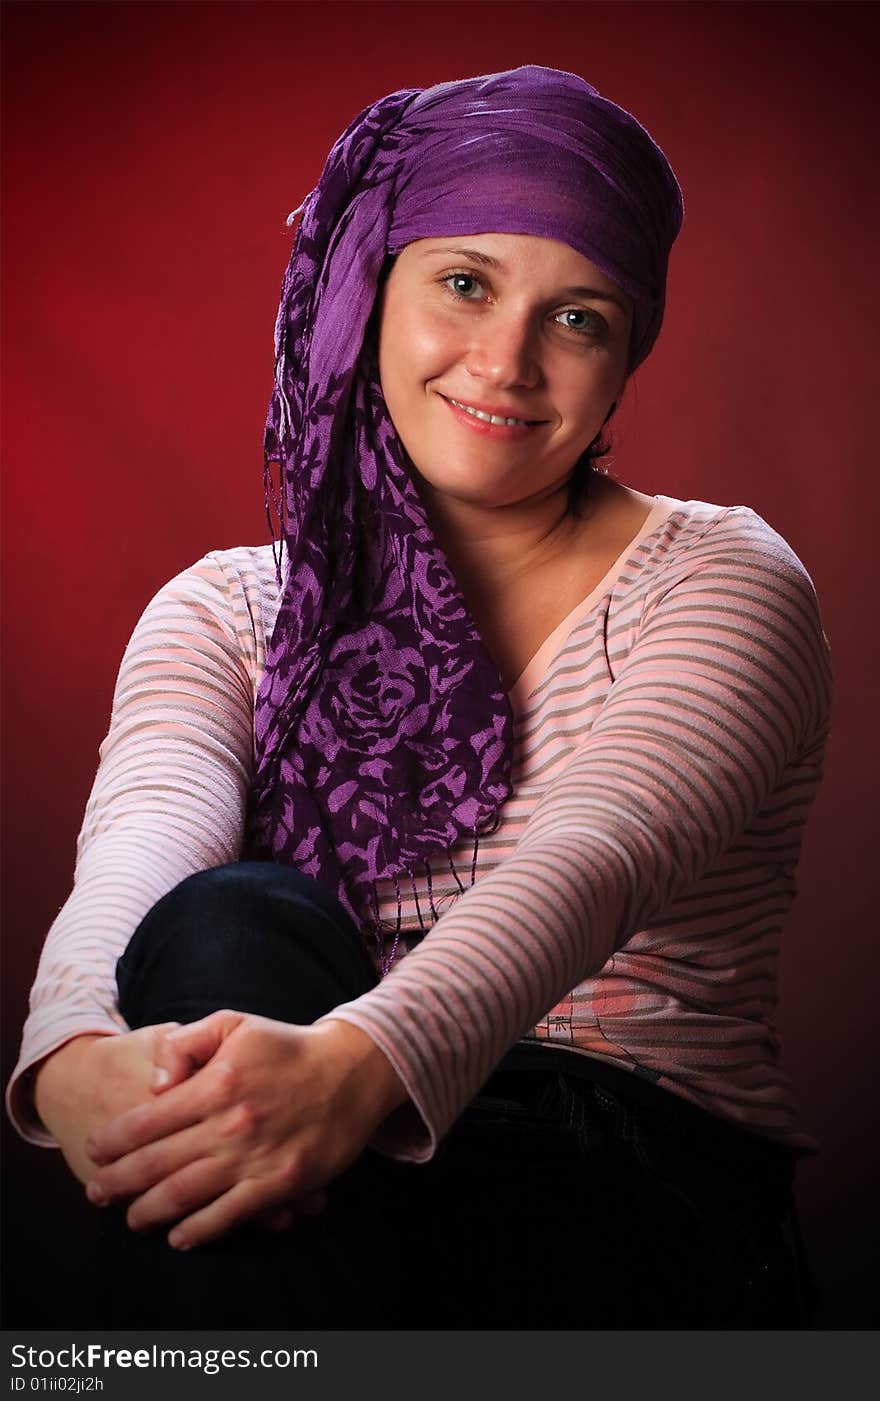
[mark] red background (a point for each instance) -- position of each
(152, 152)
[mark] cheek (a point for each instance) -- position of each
(414, 346)
(429, 350)
(591, 392)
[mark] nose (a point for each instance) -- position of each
(503, 351)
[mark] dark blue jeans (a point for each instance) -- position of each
(558, 1200)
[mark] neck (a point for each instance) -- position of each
(491, 547)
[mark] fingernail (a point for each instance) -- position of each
(161, 1076)
(178, 1240)
(95, 1195)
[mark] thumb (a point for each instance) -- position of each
(168, 1068)
(178, 1051)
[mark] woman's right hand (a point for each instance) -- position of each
(89, 1081)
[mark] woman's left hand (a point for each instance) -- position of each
(274, 1112)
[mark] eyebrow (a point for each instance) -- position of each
(588, 293)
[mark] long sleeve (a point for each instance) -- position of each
(168, 800)
(723, 689)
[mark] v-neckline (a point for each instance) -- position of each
(535, 669)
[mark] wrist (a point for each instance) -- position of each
(378, 1083)
(58, 1074)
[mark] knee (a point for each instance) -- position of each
(230, 911)
(240, 890)
(252, 935)
(220, 885)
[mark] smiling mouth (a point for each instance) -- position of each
(496, 418)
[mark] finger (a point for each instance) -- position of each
(242, 1203)
(171, 1065)
(193, 1045)
(137, 1172)
(178, 1108)
(194, 1188)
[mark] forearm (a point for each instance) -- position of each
(507, 951)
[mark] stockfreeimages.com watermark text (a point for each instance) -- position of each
(91, 1358)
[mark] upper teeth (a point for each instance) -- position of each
(490, 417)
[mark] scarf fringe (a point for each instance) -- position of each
(379, 929)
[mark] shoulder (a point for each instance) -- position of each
(703, 536)
(217, 613)
(250, 568)
(238, 587)
(730, 587)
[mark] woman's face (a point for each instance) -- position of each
(505, 325)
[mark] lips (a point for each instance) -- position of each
(495, 415)
(485, 422)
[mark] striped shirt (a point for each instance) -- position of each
(669, 741)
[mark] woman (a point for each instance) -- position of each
(568, 731)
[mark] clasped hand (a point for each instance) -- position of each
(249, 1114)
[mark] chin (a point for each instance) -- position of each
(469, 490)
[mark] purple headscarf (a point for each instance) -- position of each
(383, 732)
